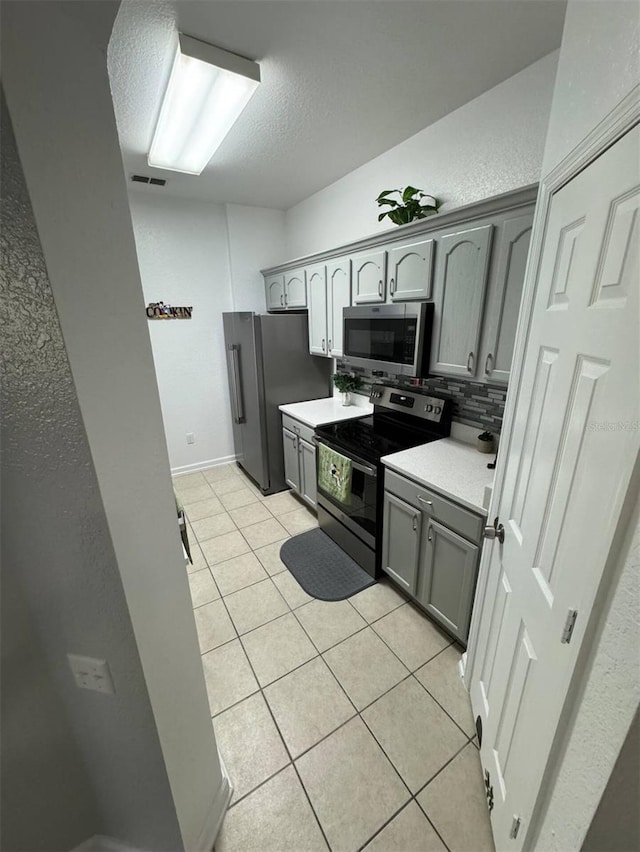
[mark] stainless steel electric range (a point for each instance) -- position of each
(401, 419)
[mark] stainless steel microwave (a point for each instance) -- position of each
(393, 338)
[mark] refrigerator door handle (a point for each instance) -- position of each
(236, 390)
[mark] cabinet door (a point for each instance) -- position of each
(505, 295)
(291, 461)
(295, 290)
(459, 288)
(307, 455)
(401, 542)
(338, 297)
(274, 288)
(317, 292)
(409, 271)
(369, 277)
(448, 571)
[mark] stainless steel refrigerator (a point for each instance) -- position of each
(269, 364)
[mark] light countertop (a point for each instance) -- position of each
(317, 412)
(452, 468)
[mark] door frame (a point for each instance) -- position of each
(615, 125)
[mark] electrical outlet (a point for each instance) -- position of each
(191, 438)
(90, 673)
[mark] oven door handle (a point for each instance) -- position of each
(358, 465)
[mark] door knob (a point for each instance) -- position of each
(495, 531)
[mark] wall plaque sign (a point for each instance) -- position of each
(160, 311)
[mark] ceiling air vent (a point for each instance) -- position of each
(151, 180)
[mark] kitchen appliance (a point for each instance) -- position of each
(393, 338)
(401, 419)
(268, 364)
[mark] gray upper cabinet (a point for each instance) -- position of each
(459, 290)
(503, 299)
(329, 291)
(409, 271)
(274, 289)
(295, 289)
(369, 276)
(338, 297)
(317, 293)
(401, 542)
(447, 578)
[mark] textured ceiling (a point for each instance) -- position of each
(343, 81)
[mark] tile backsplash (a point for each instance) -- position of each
(474, 404)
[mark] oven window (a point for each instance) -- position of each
(381, 339)
(360, 505)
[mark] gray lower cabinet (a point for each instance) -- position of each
(428, 558)
(299, 459)
(291, 463)
(307, 457)
(447, 577)
(401, 542)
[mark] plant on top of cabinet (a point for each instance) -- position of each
(413, 204)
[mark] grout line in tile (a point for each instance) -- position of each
(382, 827)
(262, 783)
(444, 766)
(442, 707)
(357, 713)
(313, 810)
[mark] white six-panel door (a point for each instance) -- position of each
(572, 448)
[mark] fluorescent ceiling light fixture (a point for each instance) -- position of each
(208, 89)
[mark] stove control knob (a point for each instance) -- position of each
(428, 407)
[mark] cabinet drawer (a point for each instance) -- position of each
(439, 508)
(305, 432)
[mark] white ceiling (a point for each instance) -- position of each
(343, 80)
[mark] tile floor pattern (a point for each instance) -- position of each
(343, 726)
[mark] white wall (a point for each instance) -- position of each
(59, 99)
(598, 66)
(490, 145)
(183, 253)
(256, 241)
(208, 256)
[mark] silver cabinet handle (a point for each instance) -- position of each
(329, 345)
(470, 363)
(487, 368)
(323, 349)
(415, 523)
(426, 502)
(430, 536)
(380, 288)
(282, 298)
(392, 284)
(238, 414)
(285, 297)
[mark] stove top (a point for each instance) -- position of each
(401, 420)
(370, 439)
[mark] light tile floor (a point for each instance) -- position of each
(343, 726)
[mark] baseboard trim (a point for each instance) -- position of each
(203, 465)
(217, 811)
